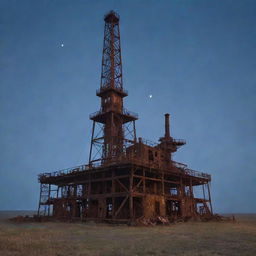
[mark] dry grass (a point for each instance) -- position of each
(187, 239)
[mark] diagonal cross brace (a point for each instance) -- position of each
(122, 185)
(121, 206)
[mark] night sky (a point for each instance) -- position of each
(196, 58)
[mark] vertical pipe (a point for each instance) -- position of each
(167, 125)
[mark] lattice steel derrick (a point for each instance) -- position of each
(108, 141)
(111, 74)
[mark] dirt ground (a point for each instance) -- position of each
(81, 239)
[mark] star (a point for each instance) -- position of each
(150, 96)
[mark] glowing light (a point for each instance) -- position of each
(150, 96)
(62, 45)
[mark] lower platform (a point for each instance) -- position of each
(124, 193)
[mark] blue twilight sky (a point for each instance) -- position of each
(196, 57)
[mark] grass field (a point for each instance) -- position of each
(187, 239)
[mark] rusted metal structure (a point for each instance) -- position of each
(127, 177)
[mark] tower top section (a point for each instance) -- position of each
(111, 17)
(111, 72)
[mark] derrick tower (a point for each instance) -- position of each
(109, 143)
(126, 179)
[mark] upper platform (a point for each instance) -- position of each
(81, 172)
(107, 89)
(101, 116)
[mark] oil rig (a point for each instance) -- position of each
(127, 177)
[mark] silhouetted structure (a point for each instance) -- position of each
(126, 178)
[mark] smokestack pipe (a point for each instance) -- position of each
(167, 126)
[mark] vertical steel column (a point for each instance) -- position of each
(192, 196)
(90, 154)
(131, 194)
(113, 190)
(39, 205)
(49, 195)
(191, 188)
(181, 188)
(58, 191)
(182, 192)
(209, 194)
(162, 181)
(134, 132)
(203, 191)
(144, 182)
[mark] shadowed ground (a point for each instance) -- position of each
(187, 239)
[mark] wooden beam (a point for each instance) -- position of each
(121, 194)
(109, 178)
(121, 206)
(122, 185)
(155, 179)
(138, 184)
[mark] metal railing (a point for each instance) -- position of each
(197, 174)
(130, 113)
(61, 172)
(124, 158)
(149, 142)
(190, 172)
(95, 114)
(179, 165)
(124, 112)
(179, 141)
